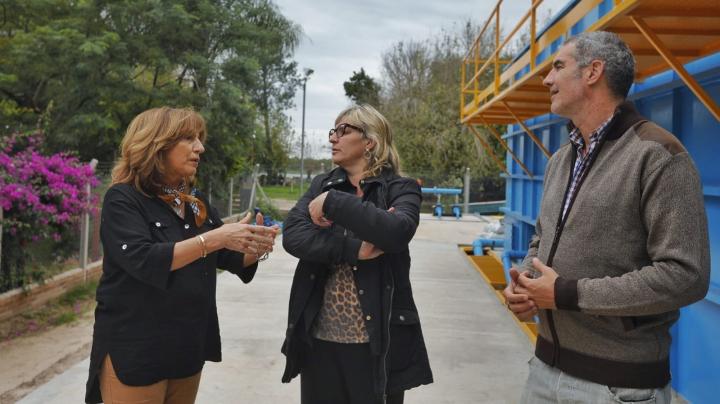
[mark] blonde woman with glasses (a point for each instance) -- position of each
(156, 319)
(354, 333)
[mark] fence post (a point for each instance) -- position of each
(466, 192)
(1, 231)
(254, 184)
(230, 197)
(85, 227)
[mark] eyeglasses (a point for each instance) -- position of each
(342, 130)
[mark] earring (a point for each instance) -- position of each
(367, 154)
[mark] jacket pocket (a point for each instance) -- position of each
(211, 223)
(159, 229)
(404, 339)
(640, 323)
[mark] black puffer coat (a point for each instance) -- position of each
(383, 283)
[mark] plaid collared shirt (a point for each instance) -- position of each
(581, 162)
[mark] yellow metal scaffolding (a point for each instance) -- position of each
(661, 33)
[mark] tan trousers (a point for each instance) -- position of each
(169, 391)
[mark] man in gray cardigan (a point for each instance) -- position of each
(621, 240)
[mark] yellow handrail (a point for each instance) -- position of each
(653, 39)
(498, 47)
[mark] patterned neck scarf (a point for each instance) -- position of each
(176, 196)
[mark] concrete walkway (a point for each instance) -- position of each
(477, 353)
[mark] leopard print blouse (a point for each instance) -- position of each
(341, 317)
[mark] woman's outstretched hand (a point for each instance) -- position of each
(247, 238)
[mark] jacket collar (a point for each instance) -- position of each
(334, 178)
(626, 116)
(338, 177)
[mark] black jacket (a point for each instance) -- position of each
(392, 322)
(154, 323)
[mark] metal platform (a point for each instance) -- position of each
(661, 33)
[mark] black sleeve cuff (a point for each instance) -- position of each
(566, 295)
(233, 262)
(248, 273)
(350, 250)
(329, 205)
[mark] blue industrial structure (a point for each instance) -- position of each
(438, 208)
(677, 52)
(663, 98)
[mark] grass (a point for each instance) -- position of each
(64, 310)
(65, 318)
(40, 270)
(284, 192)
(293, 194)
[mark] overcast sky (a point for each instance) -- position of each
(341, 36)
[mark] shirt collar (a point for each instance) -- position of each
(577, 139)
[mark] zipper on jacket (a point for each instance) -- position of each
(387, 350)
(556, 239)
(383, 199)
(382, 192)
(562, 219)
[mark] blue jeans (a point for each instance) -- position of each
(546, 384)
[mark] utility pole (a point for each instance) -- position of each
(308, 72)
(255, 173)
(230, 196)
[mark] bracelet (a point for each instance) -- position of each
(202, 245)
(263, 257)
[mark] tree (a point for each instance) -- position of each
(421, 85)
(83, 70)
(361, 88)
(273, 39)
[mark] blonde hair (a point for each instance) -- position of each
(384, 155)
(149, 137)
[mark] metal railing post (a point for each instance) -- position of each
(466, 192)
(1, 232)
(85, 227)
(533, 27)
(496, 79)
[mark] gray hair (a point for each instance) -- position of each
(609, 48)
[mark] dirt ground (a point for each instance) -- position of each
(30, 361)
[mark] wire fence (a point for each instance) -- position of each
(79, 245)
